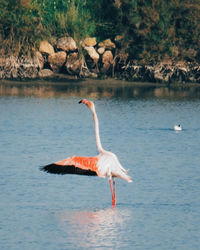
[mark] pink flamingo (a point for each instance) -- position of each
(105, 163)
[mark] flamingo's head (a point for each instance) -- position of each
(89, 104)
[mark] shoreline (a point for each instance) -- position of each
(134, 75)
(101, 61)
(109, 82)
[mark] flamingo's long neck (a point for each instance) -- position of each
(96, 126)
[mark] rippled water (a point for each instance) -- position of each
(159, 210)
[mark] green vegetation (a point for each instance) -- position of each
(152, 29)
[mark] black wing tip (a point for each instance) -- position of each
(45, 168)
(42, 168)
(53, 169)
(80, 101)
(69, 169)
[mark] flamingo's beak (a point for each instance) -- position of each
(84, 101)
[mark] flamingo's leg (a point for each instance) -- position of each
(114, 200)
(114, 186)
(111, 188)
(113, 194)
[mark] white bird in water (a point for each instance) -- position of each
(105, 163)
(177, 127)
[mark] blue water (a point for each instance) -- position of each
(159, 210)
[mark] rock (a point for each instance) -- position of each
(107, 60)
(101, 50)
(107, 44)
(93, 54)
(57, 60)
(66, 44)
(39, 58)
(107, 57)
(46, 48)
(89, 42)
(45, 73)
(73, 64)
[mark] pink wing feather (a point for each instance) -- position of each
(74, 165)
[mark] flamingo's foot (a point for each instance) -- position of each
(114, 202)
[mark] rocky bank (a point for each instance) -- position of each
(64, 57)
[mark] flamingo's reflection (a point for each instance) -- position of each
(100, 228)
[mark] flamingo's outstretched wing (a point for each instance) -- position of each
(73, 165)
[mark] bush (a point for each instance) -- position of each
(23, 23)
(151, 29)
(20, 26)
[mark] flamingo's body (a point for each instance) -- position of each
(105, 163)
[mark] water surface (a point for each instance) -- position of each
(159, 210)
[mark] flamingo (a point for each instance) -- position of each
(104, 164)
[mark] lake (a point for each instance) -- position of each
(41, 123)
